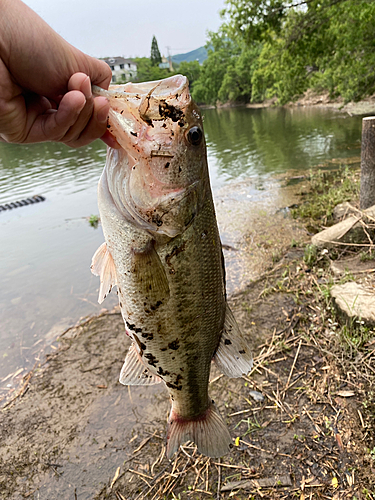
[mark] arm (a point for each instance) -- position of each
(45, 83)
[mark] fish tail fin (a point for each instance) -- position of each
(208, 431)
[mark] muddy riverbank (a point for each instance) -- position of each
(301, 424)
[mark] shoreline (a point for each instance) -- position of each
(309, 100)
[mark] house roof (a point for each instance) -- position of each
(118, 60)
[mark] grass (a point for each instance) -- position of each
(94, 221)
(327, 190)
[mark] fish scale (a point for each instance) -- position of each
(162, 250)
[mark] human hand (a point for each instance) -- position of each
(45, 84)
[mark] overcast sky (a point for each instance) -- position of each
(125, 27)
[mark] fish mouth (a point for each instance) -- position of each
(156, 100)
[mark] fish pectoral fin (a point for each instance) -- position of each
(134, 371)
(148, 268)
(233, 356)
(102, 265)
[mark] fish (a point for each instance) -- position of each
(162, 251)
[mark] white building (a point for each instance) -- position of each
(123, 70)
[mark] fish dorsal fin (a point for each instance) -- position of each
(233, 356)
(134, 371)
(102, 265)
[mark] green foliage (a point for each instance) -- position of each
(155, 57)
(279, 49)
(191, 70)
(94, 221)
(147, 72)
(328, 189)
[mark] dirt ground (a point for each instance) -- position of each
(302, 421)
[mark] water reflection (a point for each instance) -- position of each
(252, 142)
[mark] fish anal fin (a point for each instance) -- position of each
(148, 268)
(233, 356)
(102, 265)
(208, 431)
(134, 372)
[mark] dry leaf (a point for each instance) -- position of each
(116, 476)
(345, 394)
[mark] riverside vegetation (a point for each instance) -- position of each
(276, 49)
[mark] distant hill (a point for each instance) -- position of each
(199, 55)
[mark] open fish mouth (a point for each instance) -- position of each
(150, 101)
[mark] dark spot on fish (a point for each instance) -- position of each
(151, 359)
(173, 386)
(147, 311)
(158, 304)
(134, 133)
(181, 123)
(141, 346)
(242, 352)
(156, 219)
(167, 165)
(162, 372)
(179, 169)
(173, 357)
(174, 345)
(148, 336)
(164, 125)
(227, 342)
(182, 369)
(120, 304)
(163, 349)
(121, 112)
(119, 289)
(168, 111)
(176, 250)
(133, 327)
(108, 126)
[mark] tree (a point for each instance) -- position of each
(155, 53)
(191, 70)
(146, 72)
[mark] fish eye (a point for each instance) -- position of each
(195, 136)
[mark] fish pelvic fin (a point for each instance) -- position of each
(208, 431)
(233, 356)
(102, 265)
(134, 372)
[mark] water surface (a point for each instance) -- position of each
(46, 248)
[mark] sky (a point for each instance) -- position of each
(125, 27)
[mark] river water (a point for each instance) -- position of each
(46, 247)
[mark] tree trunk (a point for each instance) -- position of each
(367, 191)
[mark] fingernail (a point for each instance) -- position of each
(86, 88)
(102, 113)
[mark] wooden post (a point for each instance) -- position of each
(367, 190)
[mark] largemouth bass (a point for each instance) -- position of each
(162, 250)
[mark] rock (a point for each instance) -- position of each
(355, 301)
(342, 210)
(353, 265)
(350, 230)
